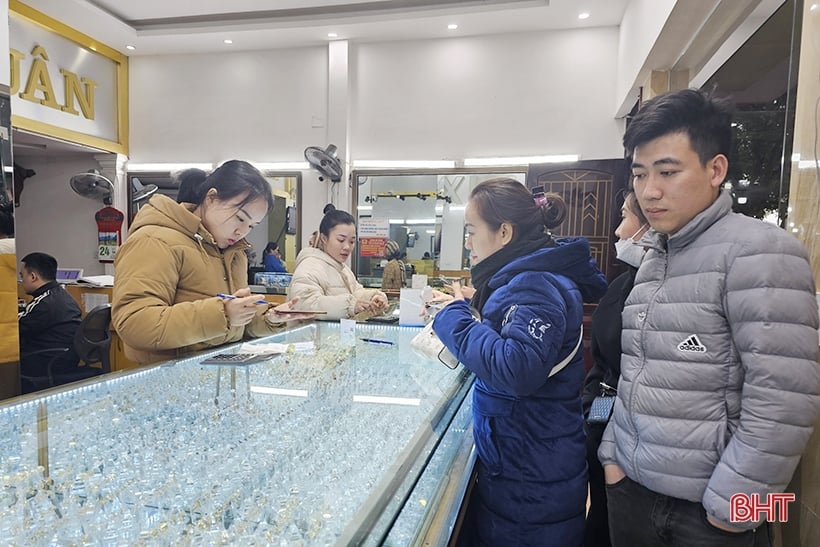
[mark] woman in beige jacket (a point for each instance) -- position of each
(179, 256)
(321, 279)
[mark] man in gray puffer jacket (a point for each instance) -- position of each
(720, 385)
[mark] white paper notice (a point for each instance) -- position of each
(410, 304)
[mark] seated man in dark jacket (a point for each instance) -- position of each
(50, 320)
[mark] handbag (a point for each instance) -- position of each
(602, 405)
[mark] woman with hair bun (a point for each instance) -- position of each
(322, 281)
(527, 422)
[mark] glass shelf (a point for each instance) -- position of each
(317, 447)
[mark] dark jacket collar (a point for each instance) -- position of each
(43, 288)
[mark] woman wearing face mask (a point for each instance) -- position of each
(179, 256)
(322, 281)
(606, 354)
(530, 288)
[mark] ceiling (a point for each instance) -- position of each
(158, 27)
(165, 27)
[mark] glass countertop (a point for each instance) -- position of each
(317, 446)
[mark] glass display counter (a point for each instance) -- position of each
(334, 442)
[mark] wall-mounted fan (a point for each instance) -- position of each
(140, 191)
(93, 185)
(325, 161)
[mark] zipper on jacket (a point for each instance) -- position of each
(635, 383)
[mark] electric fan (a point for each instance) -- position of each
(325, 161)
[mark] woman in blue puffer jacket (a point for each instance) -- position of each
(528, 426)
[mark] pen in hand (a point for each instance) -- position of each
(376, 341)
(232, 297)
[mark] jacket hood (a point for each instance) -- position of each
(167, 213)
(163, 211)
(569, 258)
(311, 253)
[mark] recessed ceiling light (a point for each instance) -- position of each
(452, 26)
(332, 35)
(227, 41)
(583, 15)
(813, 7)
(130, 47)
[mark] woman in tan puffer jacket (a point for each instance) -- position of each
(179, 256)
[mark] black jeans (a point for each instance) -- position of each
(639, 517)
(597, 525)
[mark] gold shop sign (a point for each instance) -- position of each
(65, 84)
(39, 89)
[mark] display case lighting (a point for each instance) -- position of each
(404, 401)
(266, 390)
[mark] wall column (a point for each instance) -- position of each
(112, 167)
(803, 527)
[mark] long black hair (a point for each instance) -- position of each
(231, 179)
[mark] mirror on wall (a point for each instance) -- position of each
(423, 212)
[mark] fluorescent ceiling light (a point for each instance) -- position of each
(404, 164)
(421, 221)
(364, 207)
(396, 221)
(279, 391)
(431, 232)
(583, 15)
(130, 47)
(167, 166)
(386, 400)
(227, 41)
(332, 35)
(282, 165)
(519, 160)
(452, 26)
(457, 207)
